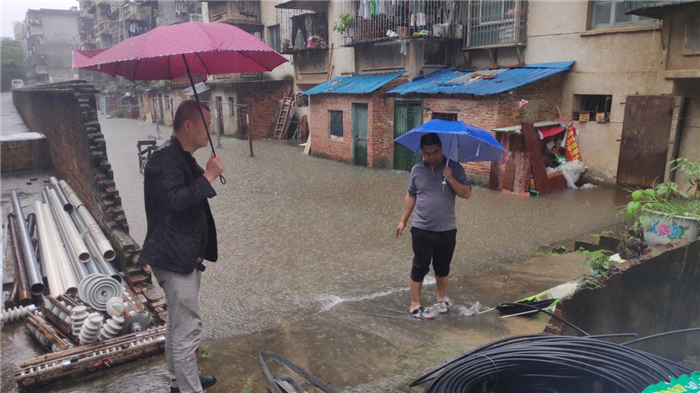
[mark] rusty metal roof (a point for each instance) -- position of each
(354, 84)
(480, 83)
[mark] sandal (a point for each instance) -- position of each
(443, 306)
(421, 313)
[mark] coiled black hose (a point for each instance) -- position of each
(554, 364)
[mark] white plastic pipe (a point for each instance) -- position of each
(80, 270)
(76, 242)
(65, 204)
(64, 269)
(96, 233)
(72, 196)
(52, 275)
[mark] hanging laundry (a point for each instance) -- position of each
(403, 47)
(420, 19)
(373, 7)
(381, 7)
(366, 13)
(300, 42)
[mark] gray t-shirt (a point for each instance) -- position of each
(435, 203)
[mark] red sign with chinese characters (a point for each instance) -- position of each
(572, 152)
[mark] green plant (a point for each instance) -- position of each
(667, 198)
(692, 170)
(246, 382)
(599, 261)
(346, 21)
(118, 113)
(206, 355)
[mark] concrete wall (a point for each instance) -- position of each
(66, 113)
(60, 36)
(230, 120)
(656, 295)
(690, 140)
(618, 62)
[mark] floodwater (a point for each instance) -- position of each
(298, 234)
(309, 266)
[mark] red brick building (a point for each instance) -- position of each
(488, 99)
(352, 119)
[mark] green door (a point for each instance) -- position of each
(359, 134)
(407, 115)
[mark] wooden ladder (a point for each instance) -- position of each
(283, 116)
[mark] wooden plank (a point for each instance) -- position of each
(509, 175)
(307, 148)
(493, 175)
(532, 146)
(330, 63)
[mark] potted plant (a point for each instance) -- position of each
(665, 212)
(343, 27)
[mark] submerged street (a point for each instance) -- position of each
(309, 268)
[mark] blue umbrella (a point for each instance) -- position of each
(461, 142)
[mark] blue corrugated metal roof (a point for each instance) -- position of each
(354, 84)
(449, 81)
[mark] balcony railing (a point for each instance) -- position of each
(37, 60)
(36, 30)
(303, 25)
(387, 20)
(102, 28)
(234, 12)
(495, 23)
(652, 8)
(135, 12)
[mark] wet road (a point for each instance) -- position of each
(309, 267)
(299, 234)
(10, 120)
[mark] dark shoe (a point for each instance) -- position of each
(422, 313)
(205, 380)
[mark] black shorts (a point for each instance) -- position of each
(428, 246)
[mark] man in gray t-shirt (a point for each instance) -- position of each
(434, 227)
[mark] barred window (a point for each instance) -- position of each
(336, 123)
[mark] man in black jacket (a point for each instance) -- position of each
(181, 234)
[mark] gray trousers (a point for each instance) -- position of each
(184, 327)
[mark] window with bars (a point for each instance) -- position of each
(273, 37)
(231, 112)
(592, 107)
(445, 116)
(248, 8)
(611, 13)
(335, 119)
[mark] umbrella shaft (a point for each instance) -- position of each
(199, 105)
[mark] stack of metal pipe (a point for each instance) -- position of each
(71, 248)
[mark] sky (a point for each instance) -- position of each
(14, 10)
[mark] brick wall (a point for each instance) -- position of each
(487, 112)
(29, 155)
(66, 113)
(501, 110)
(380, 126)
(262, 100)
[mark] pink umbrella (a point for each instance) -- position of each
(168, 52)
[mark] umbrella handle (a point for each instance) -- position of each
(222, 179)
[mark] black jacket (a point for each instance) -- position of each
(180, 225)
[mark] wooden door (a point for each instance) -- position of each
(359, 134)
(407, 115)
